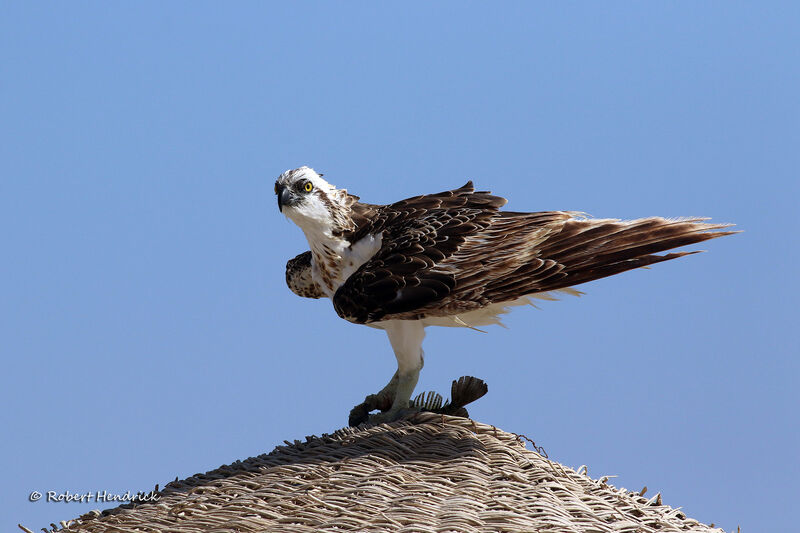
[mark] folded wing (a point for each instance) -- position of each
(445, 254)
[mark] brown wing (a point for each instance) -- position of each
(298, 277)
(527, 253)
(371, 218)
(448, 261)
(417, 234)
(402, 275)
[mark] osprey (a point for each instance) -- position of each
(453, 259)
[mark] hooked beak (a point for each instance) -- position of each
(284, 197)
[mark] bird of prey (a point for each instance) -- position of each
(454, 259)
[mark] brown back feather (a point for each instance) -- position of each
(452, 252)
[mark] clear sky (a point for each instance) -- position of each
(145, 328)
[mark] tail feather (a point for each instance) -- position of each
(612, 235)
(593, 249)
(606, 270)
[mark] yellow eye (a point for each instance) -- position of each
(308, 187)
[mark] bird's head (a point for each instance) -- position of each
(311, 202)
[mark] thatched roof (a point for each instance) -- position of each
(428, 474)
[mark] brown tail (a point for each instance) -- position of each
(591, 249)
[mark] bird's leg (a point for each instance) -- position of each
(393, 400)
(405, 386)
(383, 401)
(385, 398)
(406, 338)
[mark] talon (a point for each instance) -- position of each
(361, 412)
(358, 415)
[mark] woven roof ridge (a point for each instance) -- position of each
(426, 473)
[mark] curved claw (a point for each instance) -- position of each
(358, 415)
(361, 412)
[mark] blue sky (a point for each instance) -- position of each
(146, 329)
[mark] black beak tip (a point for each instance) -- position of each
(284, 197)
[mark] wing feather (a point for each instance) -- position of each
(299, 279)
(450, 252)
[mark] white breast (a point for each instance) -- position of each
(335, 260)
(359, 253)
